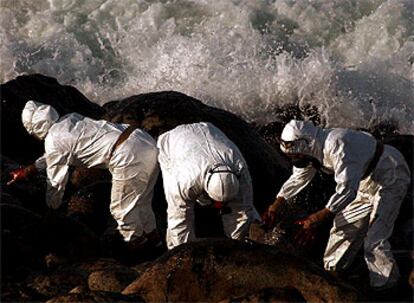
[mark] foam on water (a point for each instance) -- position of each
(352, 59)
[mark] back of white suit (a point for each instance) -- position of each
(186, 155)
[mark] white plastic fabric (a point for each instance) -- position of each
(187, 154)
(369, 221)
(365, 209)
(37, 118)
(75, 140)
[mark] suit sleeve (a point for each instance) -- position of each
(40, 163)
(348, 172)
(299, 179)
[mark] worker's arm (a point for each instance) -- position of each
(57, 172)
(24, 173)
(299, 179)
(348, 173)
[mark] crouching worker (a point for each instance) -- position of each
(372, 180)
(128, 152)
(201, 165)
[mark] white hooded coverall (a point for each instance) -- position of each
(186, 155)
(74, 140)
(365, 209)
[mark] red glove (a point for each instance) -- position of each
(315, 219)
(308, 232)
(22, 173)
(270, 216)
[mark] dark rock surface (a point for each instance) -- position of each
(271, 295)
(213, 270)
(111, 279)
(94, 297)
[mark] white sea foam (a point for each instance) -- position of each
(352, 59)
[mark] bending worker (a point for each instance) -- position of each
(128, 152)
(372, 180)
(200, 164)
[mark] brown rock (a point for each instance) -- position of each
(111, 279)
(90, 205)
(98, 264)
(83, 177)
(271, 295)
(92, 297)
(99, 274)
(214, 270)
(59, 282)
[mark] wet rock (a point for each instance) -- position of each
(83, 177)
(53, 261)
(20, 234)
(111, 279)
(90, 205)
(271, 295)
(141, 267)
(18, 292)
(16, 142)
(92, 297)
(97, 274)
(28, 237)
(68, 238)
(59, 282)
(98, 264)
(80, 289)
(214, 270)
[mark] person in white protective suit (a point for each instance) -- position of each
(201, 165)
(128, 152)
(371, 182)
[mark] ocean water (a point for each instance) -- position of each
(351, 59)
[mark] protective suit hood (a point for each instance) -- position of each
(302, 137)
(38, 118)
(221, 183)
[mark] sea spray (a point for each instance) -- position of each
(352, 60)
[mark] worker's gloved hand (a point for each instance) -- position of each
(22, 173)
(270, 217)
(315, 219)
(305, 236)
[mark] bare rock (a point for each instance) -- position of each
(59, 282)
(214, 270)
(93, 297)
(98, 274)
(90, 205)
(271, 295)
(111, 279)
(83, 177)
(98, 264)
